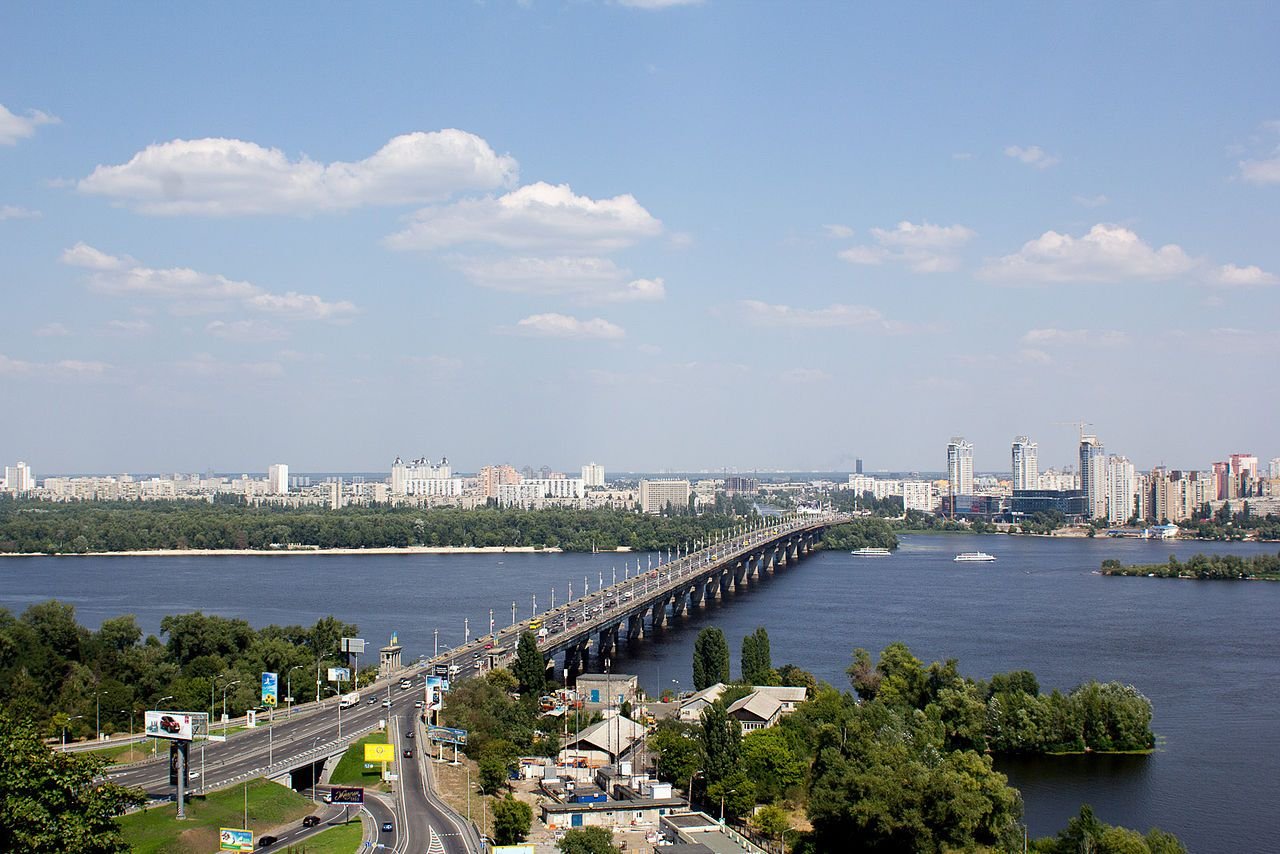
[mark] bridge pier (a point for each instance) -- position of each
(739, 576)
(635, 627)
(696, 594)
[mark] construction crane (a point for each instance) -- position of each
(1077, 424)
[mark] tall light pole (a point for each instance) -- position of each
(513, 614)
(97, 716)
(224, 701)
(466, 630)
(130, 711)
(155, 742)
(289, 687)
(64, 727)
(435, 638)
(213, 685)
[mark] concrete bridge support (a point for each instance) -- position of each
(739, 576)
(696, 593)
(635, 627)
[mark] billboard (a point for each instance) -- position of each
(270, 690)
(339, 674)
(434, 685)
(379, 753)
(175, 725)
(347, 794)
(441, 670)
(447, 735)
(353, 645)
(234, 839)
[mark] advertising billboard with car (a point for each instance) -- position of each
(175, 725)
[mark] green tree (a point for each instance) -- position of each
(56, 803)
(721, 738)
(530, 668)
(772, 821)
(678, 749)
(588, 840)
(767, 758)
(710, 658)
(511, 820)
(757, 661)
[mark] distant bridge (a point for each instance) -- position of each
(640, 604)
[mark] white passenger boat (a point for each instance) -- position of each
(973, 557)
(871, 551)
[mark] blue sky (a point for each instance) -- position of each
(660, 235)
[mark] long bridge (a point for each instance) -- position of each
(640, 604)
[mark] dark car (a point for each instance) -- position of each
(266, 841)
(408, 754)
(387, 827)
(409, 734)
(311, 821)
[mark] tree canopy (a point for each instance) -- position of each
(710, 658)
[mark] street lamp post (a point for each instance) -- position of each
(289, 687)
(156, 742)
(97, 716)
(64, 727)
(224, 702)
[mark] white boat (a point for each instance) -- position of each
(973, 557)
(871, 551)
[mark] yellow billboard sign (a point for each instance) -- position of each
(379, 753)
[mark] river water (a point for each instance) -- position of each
(1204, 652)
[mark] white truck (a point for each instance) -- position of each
(346, 701)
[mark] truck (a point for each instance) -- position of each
(346, 701)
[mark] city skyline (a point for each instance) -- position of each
(705, 236)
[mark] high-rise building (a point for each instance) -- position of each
(406, 477)
(657, 495)
(492, 477)
(278, 479)
(1026, 470)
(857, 466)
(18, 479)
(1273, 468)
(917, 495)
(1093, 476)
(593, 474)
(1121, 490)
(960, 466)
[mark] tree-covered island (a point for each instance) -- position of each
(1203, 567)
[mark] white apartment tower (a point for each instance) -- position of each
(18, 479)
(1122, 489)
(960, 466)
(593, 474)
(917, 495)
(655, 495)
(1026, 471)
(1093, 477)
(278, 479)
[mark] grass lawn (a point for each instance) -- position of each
(336, 840)
(351, 771)
(121, 754)
(157, 831)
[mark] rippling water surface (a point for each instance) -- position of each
(1204, 652)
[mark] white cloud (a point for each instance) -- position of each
(245, 330)
(1264, 169)
(1032, 155)
(538, 216)
(15, 212)
(53, 330)
(225, 177)
(838, 315)
(1072, 337)
(586, 279)
(803, 376)
(1108, 253)
(14, 127)
(129, 327)
(838, 231)
(924, 248)
(62, 369)
(552, 325)
(1231, 276)
(193, 291)
(1034, 356)
(657, 4)
(1091, 201)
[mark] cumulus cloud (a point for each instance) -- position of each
(1032, 155)
(1264, 169)
(586, 279)
(839, 315)
(1038, 338)
(537, 216)
(1231, 276)
(226, 177)
(15, 212)
(553, 325)
(14, 127)
(195, 291)
(62, 369)
(924, 248)
(652, 5)
(245, 330)
(1108, 253)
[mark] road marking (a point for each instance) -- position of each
(436, 846)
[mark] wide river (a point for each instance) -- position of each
(1206, 653)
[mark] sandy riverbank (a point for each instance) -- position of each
(390, 550)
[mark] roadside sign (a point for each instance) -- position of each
(235, 839)
(339, 674)
(179, 726)
(441, 670)
(270, 689)
(346, 794)
(447, 735)
(217, 738)
(379, 753)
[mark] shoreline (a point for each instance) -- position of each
(380, 550)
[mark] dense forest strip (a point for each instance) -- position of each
(1207, 567)
(91, 527)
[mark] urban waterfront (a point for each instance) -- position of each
(1199, 650)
